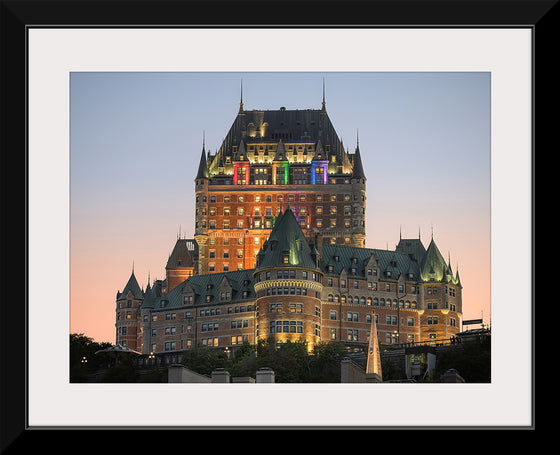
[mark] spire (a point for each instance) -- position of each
(357, 168)
(202, 167)
(373, 367)
(324, 105)
(241, 100)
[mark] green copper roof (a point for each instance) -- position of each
(209, 285)
(433, 266)
(286, 245)
(149, 297)
(338, 257)
(132, 286)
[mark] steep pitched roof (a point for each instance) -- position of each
(202, 166)
(358, 169)
(180, 256)
(307, 125)
(209, 285)
(286, 246)
(133, 286)
(149, 297)
(347, 257)
(433, 265)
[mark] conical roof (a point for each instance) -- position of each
(358, 169)
(286, 245)
(433, 267)
(133, 286)
(149, 297)
(202, 166)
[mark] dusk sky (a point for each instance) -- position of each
(136, 138)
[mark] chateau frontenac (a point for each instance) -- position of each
(279, 253)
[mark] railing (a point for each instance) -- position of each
(443, 342)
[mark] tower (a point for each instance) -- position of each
(440, 296)
(268, 160)
(180, 264)
(128, 307)
(288, 285)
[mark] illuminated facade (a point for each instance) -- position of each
(268, 161)
(279, 253)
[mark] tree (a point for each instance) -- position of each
(203, 360)
(83, 360)
(289, 360)
(471, 359)
(325, 362)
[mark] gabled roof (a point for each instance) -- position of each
(209, 285)
(286, 246)
(342, 257)
(132, 286)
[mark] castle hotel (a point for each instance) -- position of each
(279, 253)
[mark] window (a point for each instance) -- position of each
(333, 315)
(352, 335)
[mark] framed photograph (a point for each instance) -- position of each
(115, 105)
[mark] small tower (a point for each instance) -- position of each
(128, 313)
(180, 265)
(201, 213)
(288, 285)
(358, 206)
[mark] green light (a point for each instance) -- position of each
(285, 166)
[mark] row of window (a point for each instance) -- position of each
(288, 274)
(281, 198)
(269, 211)
(267, 224)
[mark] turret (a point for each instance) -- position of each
(127, 309)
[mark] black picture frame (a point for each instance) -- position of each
(21, 15)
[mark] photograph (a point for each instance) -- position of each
(227, 224)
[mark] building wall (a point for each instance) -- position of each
(127, 321)
(232, 222)
(346, 317)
